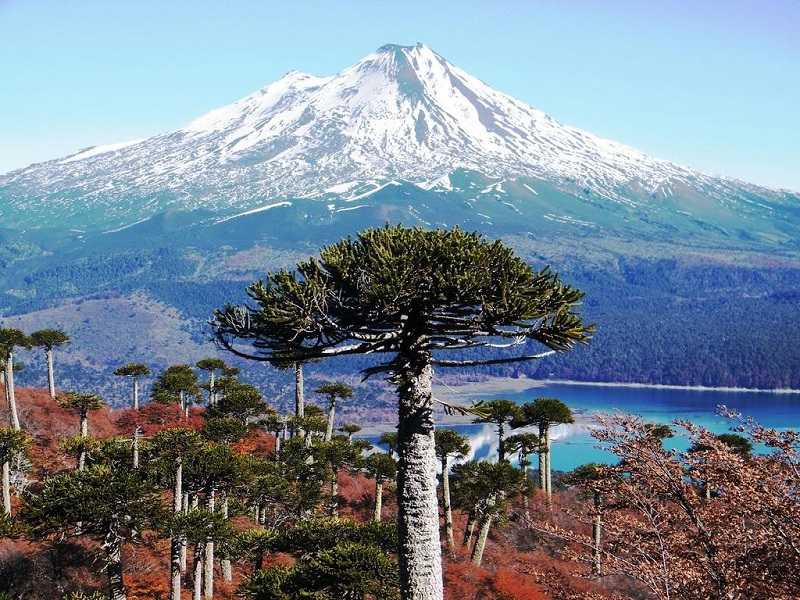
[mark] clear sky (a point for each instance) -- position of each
(711, 84)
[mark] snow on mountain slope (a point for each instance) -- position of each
(401, 113)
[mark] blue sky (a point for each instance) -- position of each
(712, 84)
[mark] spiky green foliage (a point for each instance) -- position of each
(109, 505)
(80, 402)
(347, 570)
(544, 412)
(49, 338)
(93, 502)
(178, 383)
(239, 401)
(374, 293)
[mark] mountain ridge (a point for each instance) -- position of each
(400, 113)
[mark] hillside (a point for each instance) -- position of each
(692, 278)
(516, 565)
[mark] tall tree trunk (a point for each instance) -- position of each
(547, 480)
(208, 557)
(51, 384)
(175, 568)
(10, 395)
(334, 503)
(483, 534)
(113, 549)
(419, 554)
(178, 543)
(84, 435)
(469, 529)
(135, 393)
(329, 428)
(197, 571)
(446, 505)
(135, 447)
(378, 500)
(542, 465)
(227, 572)
(212, 394)
(299, 398)
(184, 507)
(501, 443)
(7, 487)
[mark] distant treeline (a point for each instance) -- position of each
(658, 321)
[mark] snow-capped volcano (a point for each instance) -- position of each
(405, 112)
(400, 114)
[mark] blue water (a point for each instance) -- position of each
(573, 445)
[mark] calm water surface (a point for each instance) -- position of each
(573, 445)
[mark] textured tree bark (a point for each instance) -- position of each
(501, 443)
(177, 548)
(135, 393)
(197, 588)
(469, 530)
(175, 568)
(542, 463)
(208, 557)
(419, 554)
(113, 551)
(446, 505)
(7, 487)
(135, 447)
(10, 396)
(331, 416)
(334, 503)
(84, 435)
(227, 571)
(378, 500)
(483, 534)
(51, 384)
(183, 506)
(547, 481)
(299, 398)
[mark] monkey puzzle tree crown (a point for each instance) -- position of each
(438, 290)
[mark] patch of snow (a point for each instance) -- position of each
(255, 210)
(97, 150)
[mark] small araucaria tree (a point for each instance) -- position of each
(10, 340)
(134, 371)
(334, 392)
(82, 403)
(449, 444)
(407, 293)
(544, 413)
(49, 339)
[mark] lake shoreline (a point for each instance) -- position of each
(521, 384)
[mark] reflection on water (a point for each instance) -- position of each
(573, 445)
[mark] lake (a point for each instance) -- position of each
(573, 445)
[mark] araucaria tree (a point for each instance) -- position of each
(544, 413)
(134, 371)
(82, 403)
(10, 340)
(333, 391)
(49, 339)
(407, 293)
(449, 444)
(109, 505)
